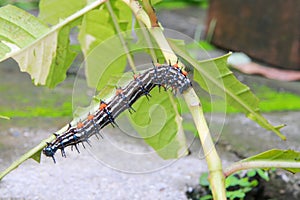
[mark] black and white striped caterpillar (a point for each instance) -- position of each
(166, 76)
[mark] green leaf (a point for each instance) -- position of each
(42, 52)
(251, 173)
(285, 159)
(18, 32)
(124, 14)
(232, 181)
(18, 28)
(4, 49)
(51, 11)
(206, 197)
(263, 174)
(153, 2)
(203, 180)
(215, 77)
(159, 125)
(63, 59)
(104, 53)
(235, 194)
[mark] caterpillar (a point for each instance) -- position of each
(166, 76)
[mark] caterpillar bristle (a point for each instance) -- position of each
(130, 109)
(76, 148)
(53, 159)
(88, 142)
(63, 153)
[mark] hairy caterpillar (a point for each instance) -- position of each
(166, 76)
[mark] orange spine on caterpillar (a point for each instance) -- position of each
(102, 105)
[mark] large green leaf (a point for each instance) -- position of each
(32, 44)
(215, 77)
(160, 125)
(42, 52)
(285, 159)
(19, 31)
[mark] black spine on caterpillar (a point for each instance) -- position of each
(166, 76)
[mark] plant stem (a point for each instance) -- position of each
(216, 176)
(119, 32)
(151, 13)
(148, 40)
(259, 164)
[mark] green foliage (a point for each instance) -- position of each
(51, 11)
(201, 45)
(97, 36)
(203, 180)
(237, 185)
(32, 44)
(23, 4)
(19, 27)
(156, 122)
(63, 59)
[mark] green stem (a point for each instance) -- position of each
(216, 176)
(148, 40)
(258, 164)
(119, 32)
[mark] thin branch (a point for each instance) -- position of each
(148, 40)
(259, 164)
(119, 32)
(151, 13)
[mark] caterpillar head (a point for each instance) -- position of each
(49, 151)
